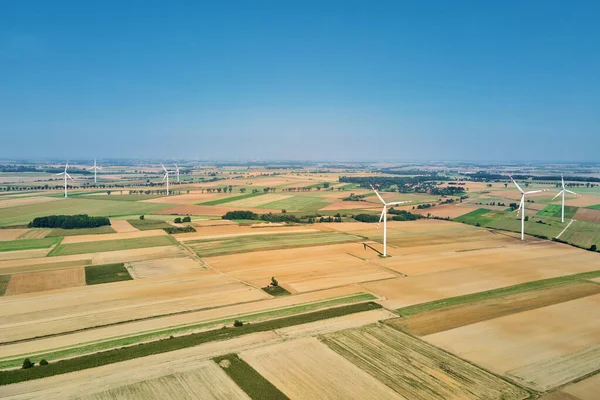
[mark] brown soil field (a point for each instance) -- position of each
(122, 226)
(112, 236)
(209, 210)
(301, 270)
(26, 201)
(541, 348)
(535, 261)
(416, 369)
(306, 368)
(214, 222)
(584, 200)
(44, 313)
(446, 210)
(586, 389)
(206, 381)
(45, 280)
(36, 233)
(44, 264)
(444, 319)
(164, 266)
(11, 234)
(587, 214)
(214, 314)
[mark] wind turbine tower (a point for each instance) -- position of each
(166, 177)
(66, 175)
(95, 168)
(384, 217)
(521, 208)
(562, 192)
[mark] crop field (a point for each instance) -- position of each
(12, 234)
(45, 280)
(257, 201)
(229, 198)
(588, 214)
(112, 236)
(586, 389)
(481, 216)
(28, 244)
(111, 245)
(26, 213)
(248, 243)
(415, 369)
(541, 348)
(306, 368)
(247, 378)
(4, 280)
(36, 233)
(97, 274)
(555, 210)
(57, 232)
(205, 381)
(148, 224)
(293, 203)
(10, 203)
(583, 234)
(122, 226)
(163, 266)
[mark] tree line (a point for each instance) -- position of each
(69, 221)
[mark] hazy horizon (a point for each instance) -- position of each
(337, 80)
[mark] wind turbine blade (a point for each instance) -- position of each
(176, 167)
(164, 168)
(557, 194)
(60, 173)
(562, 179)
(568, 191)
(165, 177)
(516, 184)
(536, 191)
(398, 202)
(380, 198)
(381, 217)
(520, 205)
(70, 176)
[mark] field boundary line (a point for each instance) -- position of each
(563, 231)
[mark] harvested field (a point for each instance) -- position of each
(206, 381)
(587, 214)
(112, 236)
(45, 280)
(429, 322)
(101, 230)
(541, 348)
(163, 266)
(192, 198)
(12, 234)
(26, 201)
(445, 210)
(415, 369)
(585, 200)
(350, 205)
(209, 210)
(233, 229)
(23, 254)
(257, 200)
(111, 245)
(306, 368)
(214, 222)
(122, 226)
(36, 233)
(43, 264)
(4, 280)
(248, 243)
(586, 389)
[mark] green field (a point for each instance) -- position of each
(175, 343)
(29, 244)
(97, 274)
(596, 207)
(509, 222)
(149, 224)
(125, 197)
(111, 245)
(293, 203)
(583, 234)
(481, 216)
(555, 210)
(4, 279)
(25, 214)
(248, 243)
(227, 199)
(58, 232)
(248, 379)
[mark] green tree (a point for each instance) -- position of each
(177, 220)
(27, 364)
(186, 219)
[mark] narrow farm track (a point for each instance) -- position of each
(564, 230)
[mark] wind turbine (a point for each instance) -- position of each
(177, 170)
(384, 217)
(95, 168)
(521, 208)
(563, 196)
(66, 175)
(166, 177)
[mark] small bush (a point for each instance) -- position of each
(142, 217)
(186, 219)
(27, 364)
(238, 323)
(274, 281)
(43, 362)
(177, 220)
(593, 248)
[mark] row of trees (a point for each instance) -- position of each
(69, 221)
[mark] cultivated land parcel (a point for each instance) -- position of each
(461, 310)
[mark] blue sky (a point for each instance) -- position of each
(336, 80)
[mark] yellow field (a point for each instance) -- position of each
(11, 234)
(45, 280)
(112, 236)
(587, 389)
(122, 226)
(163, 266)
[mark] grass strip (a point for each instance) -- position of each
(129, 340)
(488, 294)
(248, 379)
(4, 279)
(174, 343)
(29, 244)
(97, 274)
(230, 199)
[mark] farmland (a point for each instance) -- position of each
(111, 245)
(28, 244)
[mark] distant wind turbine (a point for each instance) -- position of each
(384, 217)
(66, 175)
(95, 168)
(166, 177)
(177, 170)
(521, 208)
(563, 196)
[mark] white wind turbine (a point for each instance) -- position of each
(166, 177)
(95, 168)
(177, 170)
(521, 208)
(66, 175)
(384, 217)
(563, 196)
